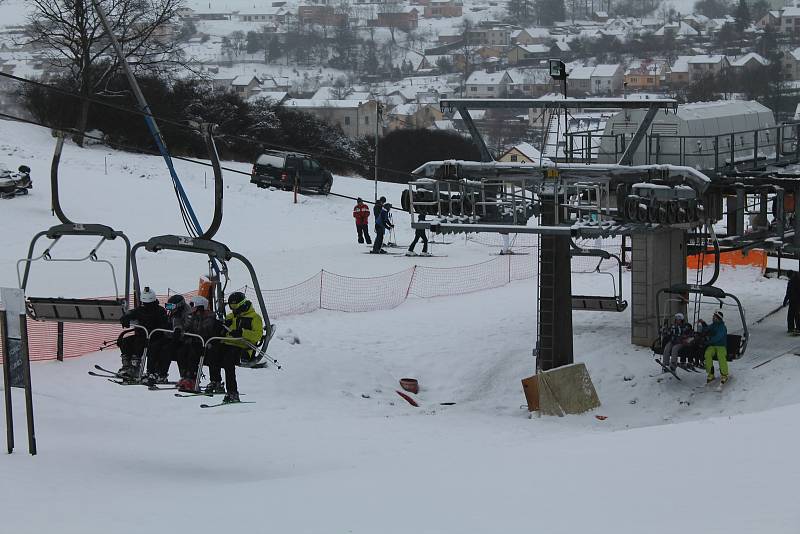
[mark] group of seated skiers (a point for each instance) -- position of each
(680, 341)
(242, 330)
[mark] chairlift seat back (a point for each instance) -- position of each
(734, 344)
(598, 303)
(76, 310)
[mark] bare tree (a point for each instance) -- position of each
(74, 41)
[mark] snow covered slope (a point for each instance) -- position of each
(329, 446)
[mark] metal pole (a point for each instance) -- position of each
(60, 342)
(7, 384)
(377, 138)
(149, 120)
(26, 377)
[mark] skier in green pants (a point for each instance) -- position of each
(717, 334)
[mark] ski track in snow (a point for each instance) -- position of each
(314, 455)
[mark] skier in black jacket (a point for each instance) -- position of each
(132, 343)
(792, 298)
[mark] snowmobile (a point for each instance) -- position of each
(15, 183)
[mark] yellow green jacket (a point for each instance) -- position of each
(245, 323)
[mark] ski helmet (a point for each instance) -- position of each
(148, 296)
(236, 298)
(175, 301)
(679, 317)
(198, 301)
(718, 314)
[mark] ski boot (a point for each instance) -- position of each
(231, 398)
(186, 385)
(411, 253)
(709, 379)
(723, 379)
(214, 387)
(425, 254)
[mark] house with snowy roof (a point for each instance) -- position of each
(523, 153)
(607, 79)
(791, 64)
(529, 82)
(526, 53)
(740, 64)
(356, 118)
(276, 15)
(677, 29)
(580, 80)
(645, 74)
(482, 84)
(414, 115)
(530, 36)
(704, 65)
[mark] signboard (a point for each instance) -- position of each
(12, 300)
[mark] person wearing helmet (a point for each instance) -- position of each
(678, 336)
(180, 318)
(717, 334)
(150, 315)
(202, 323)
(361, 215)
(244, 329)
(383, 222)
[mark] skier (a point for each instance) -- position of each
(203, 323)
(149, 315)
(179, 319)
(376, 209)
(361, 215)
(419, 234)
(245, 328)
(677, 336)
(717, 334)
(382, 223)
(792, 298)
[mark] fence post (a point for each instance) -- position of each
(411, 281)
(321, 275)
(60, 342)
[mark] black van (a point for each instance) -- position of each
(275, 168)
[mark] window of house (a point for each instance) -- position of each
(513, 157)
(366, 119)
(473, 89)
(347, 121)
(490, 88)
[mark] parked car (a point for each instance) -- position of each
(275, 168)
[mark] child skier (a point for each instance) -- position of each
(361, 215)
(247, 326)
(419, 234)
(203, 323)
(677, 337)
(149, 315)
(717, 334)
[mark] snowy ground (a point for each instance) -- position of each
(330, 447)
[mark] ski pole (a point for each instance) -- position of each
(770, 314)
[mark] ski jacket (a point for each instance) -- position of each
(717, 334)
(244, 322)
(376, 209)
(384, 219)
(151, 316)
(679, 333)
(361, 214)
(181, 317)
(204, 324)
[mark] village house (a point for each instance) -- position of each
(414, 115)
(607, 79)
(580, 80)
(356, 118)
(275, 15)
(645, 75)
(706, 65)
(406, 19)
(531, 82)
(482, 84)
(522, 153)
(489, 34)
(741, 64)
(443, 9)
(322, 15)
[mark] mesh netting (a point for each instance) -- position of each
(300, 298)
(438, 282)
(344, 293)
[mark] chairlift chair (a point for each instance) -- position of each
(606, 303)
(95, 310)
(736, 343)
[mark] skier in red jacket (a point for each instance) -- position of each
(361, 215)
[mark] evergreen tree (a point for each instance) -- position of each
(550, 11)
(742, 16)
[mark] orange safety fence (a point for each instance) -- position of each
(735, 258)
